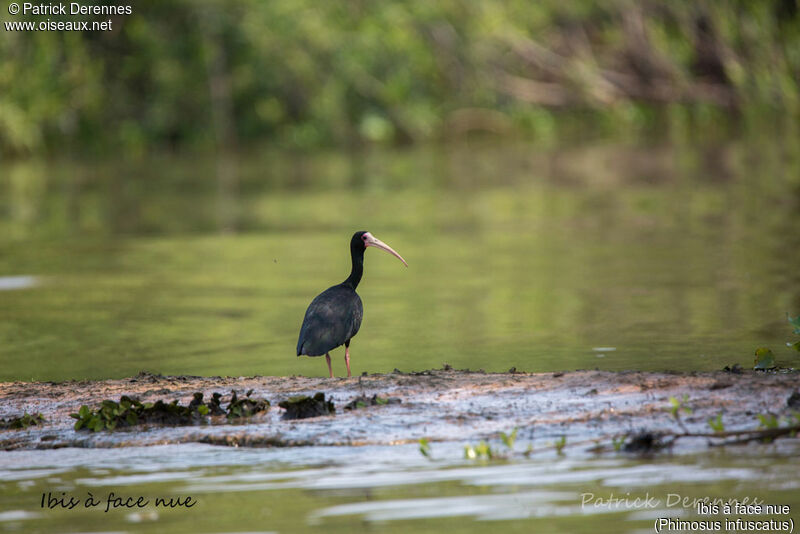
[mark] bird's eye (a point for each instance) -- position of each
(364, 237)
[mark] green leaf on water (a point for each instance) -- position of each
(483, 450)
(424, 448)
(716, 423)
(560, 444)
(764, 359)
(767, 421)
(794, 322)
(480, 451)
(96, 423)
(202, 409)
(679, 405)
(509, 439)
(469, 452)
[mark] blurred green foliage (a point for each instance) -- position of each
(305, 74)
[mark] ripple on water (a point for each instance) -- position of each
(17, 515)
(9, 283)
(520, 505)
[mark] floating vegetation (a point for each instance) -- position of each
(560, 444)
(795, 322)
(425, 447)
(484, 451)
(643, 442)
(364, 401)
(303, 406)
(678, 406)
(716, 423)
(764, 359)
(770, 427)
(129, 411)
(481, 451)
(23, 421)
(509, 439)
(212, 408)
(246, 406)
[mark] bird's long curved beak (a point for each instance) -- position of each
(373, 241)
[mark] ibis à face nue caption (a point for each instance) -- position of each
(334, 316)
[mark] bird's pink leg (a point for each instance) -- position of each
(328, 359)
(347, 359)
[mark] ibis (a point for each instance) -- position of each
(334, 316)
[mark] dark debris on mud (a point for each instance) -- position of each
(436, 405)
(362, 401)
(645, 442)
(304, 407)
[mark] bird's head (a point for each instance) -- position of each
(362, 240)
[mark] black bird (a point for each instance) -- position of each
(334, 316)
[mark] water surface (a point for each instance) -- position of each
(680, 258)
(379, 489)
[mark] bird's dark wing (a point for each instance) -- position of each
(332, 318)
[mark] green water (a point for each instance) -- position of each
(380, 489)
(680, 258)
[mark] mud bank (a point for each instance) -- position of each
(439, 405)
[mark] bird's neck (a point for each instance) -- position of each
(358, 268)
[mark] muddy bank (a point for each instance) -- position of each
(440, 405)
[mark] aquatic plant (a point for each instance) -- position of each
(129, 411)
(767, 420)
(509, 439)
(23, 421)
(678, 406)
(484, 451)
(481, 451)
(424, 447)
(795, 322)
(764, 359)
(246, 406)
(716, 423)
(560, 444)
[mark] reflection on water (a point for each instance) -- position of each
(8, 283)
(677, 258)
(381, 489)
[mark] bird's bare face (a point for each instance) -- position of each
(372, 241)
